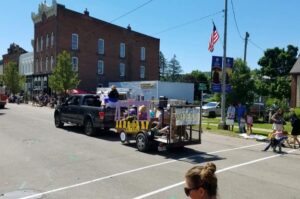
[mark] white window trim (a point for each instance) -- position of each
(75, 68)
(122, 50)
(122, 69)
(77, 39)
(143, 53)
(52, 39)
(100, 63)
(101, 50)
(142, 69)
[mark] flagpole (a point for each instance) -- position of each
(223, 97)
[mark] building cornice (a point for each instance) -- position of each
(43, 8)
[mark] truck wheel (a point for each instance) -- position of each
(142, 143)
(88, 128)
(57, 121)
(123, 137)
(1, 106)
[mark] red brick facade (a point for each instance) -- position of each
(64, 22)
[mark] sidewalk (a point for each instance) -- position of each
(253, 128)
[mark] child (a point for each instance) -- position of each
(242, 125)
(249, 123)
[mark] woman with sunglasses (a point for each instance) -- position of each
(201, 182)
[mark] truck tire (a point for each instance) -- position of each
(89, 128)
(1, 106)
(57, 121)
(142, 143)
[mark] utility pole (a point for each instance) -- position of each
(223, 99)
(245, 50)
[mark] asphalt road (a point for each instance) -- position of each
(38, 160)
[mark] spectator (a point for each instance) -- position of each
(242, 125)
(278, 120)
(249, 120)
(295, 121)
(240, 111)
(113, 94)
(230, 116)
(201, 182)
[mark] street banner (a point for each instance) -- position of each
(216, 74)
(229, 66)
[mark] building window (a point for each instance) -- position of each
(75, 63)
(46, 63)
(47, 41)
(41, 44)
(51, 62)
(101, 46)
(41, 65)
(100, 67)
(37, 65)
(52, 39)
(142, 72)
(122, 50)
(74, 41)
(143, 53)
(37, 45)
(122, 69)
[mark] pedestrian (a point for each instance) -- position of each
(249, 120)
(201, 182)
(242, 124)
(295, 121)
(240, 111)
(230, 116)
(278, 121)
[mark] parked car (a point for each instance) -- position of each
(211, 109)
(85, 110)
(257, 110)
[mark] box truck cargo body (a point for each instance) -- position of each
(152, 90)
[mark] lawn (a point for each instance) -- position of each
(211, 124)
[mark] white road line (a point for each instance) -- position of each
(219, 171)
(131, 171)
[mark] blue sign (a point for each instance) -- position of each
(216, 73)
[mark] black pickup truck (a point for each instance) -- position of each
(85, 110)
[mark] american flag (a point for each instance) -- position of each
(213, 39)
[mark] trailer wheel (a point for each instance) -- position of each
(88, 127)
(142, 143)
(123, 137)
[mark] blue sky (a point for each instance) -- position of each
(270, 23)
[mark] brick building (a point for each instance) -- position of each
(295, 85)
(101, 52)
(13, 53)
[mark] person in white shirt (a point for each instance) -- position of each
(230, 116)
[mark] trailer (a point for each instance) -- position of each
(176, 130)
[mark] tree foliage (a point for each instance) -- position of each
(173, 70)
(196, 77)
(242, 84)
(63, 77)
(273, 78)
(162, 66)
(13, 81)
(278, 62)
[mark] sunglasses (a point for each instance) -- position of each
(187, 191)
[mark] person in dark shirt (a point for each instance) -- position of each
(113, 94)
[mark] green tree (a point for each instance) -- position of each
(242, 83)
(274, 79)
(278, 62)
(63, 77)
(173, 70)
(195, 77)
(13, 81)
(162, 66)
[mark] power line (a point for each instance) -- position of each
(189, 22)
(236, 25)
(131, 11)
(257, 46)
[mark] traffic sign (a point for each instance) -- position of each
(202, 87)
